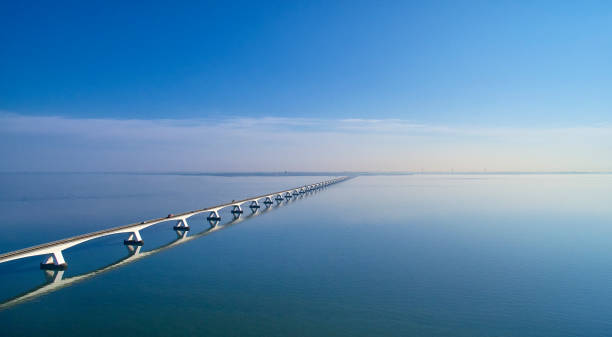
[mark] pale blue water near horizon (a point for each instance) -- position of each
(409, 255)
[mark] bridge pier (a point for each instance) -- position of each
(237, 209)
(181, 225)
(55, 261)
(213, 216)
(268, 201)
(254, 206)
(288, 195)
(278, 198)
(134, 239)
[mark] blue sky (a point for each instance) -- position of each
(474, 68)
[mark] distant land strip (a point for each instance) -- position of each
(308, 174)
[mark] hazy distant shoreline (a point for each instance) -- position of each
(301, 174)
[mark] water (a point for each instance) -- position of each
(420, 255)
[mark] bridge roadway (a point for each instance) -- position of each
(53, 250)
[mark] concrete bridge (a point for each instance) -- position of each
(56, 280)
(54, 259)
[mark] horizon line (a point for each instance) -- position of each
(306, 173)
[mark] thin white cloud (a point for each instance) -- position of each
(272, 143)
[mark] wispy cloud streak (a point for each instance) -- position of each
(272, 144)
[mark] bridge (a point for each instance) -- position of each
(54, 259)
(56, 280)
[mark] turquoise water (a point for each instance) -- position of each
(416, 255)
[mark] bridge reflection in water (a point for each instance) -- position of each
(54, 278)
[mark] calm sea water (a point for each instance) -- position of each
(419, 255)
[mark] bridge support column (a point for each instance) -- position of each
(237, 209)
(288, 195)
(55, 261)
(278, 198)
(268, 201)
(213, 216)
(181, 225)
(254, 206)
(134, 239)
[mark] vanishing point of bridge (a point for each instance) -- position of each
(54, 259)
